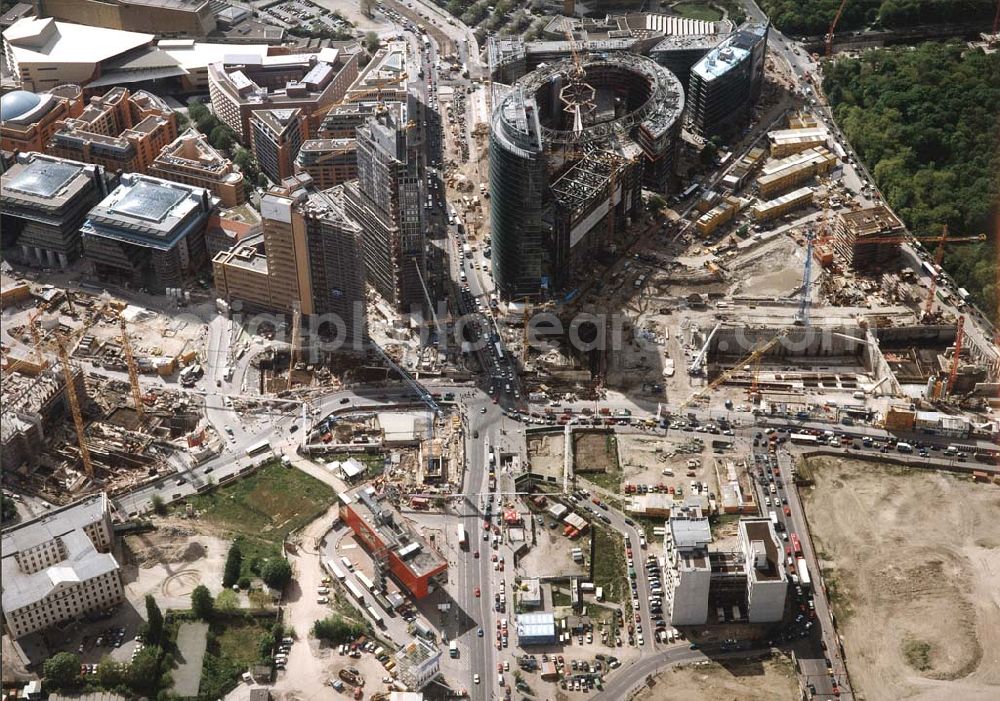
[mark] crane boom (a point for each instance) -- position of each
(833, 25)
(749, 359)
(938, 258)
(133, 371)
(953, 373)
(74, 407)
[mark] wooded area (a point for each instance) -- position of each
(925, 121)
(812, 17)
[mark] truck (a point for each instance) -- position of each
(796, 545)
(904, 447)
(453, 649)
(463, 541)
(803, 571)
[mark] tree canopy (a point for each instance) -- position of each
(924, 120)
(234, 563)
(154, 621)
(813, 17)
(276, 572)
(62, 670)
(336, 630)
(201, 602)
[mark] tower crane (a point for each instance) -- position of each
(296, 340)
(938, 258)
(133, 371)
(953, 372)
(750, 359)
(802, 315)
(833, 25)
(74, 406)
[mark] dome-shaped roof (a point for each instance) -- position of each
(17, 103)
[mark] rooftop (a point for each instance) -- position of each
(34, 40)
(761, 530)
(871, 221)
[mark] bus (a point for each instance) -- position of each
(355, 590)
(774, 520)
(376, 616)
(804, 439)
(499, 350)
(793, 538)
(335, 570)
(462, 541)
(258, 447)
(929, 269)
(365, 581)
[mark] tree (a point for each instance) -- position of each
(143, 675)
(656, 203)
(8, 509)
(154, 621)
(265, 646)
(366, 7)
(227, 601)
(276, 572)
(159, 506)
(234, 563)
(222, 137)
(336, 630)
(61, 671)
(201, 602)
(372, 42)
(109, 673)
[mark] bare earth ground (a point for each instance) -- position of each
(593, 452)
(913, 558)
(546, 453)
(733, 680)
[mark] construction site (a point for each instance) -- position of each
(110, 434)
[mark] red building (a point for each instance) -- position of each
(412, 562)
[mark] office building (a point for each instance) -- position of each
(27, 120)
(385, 200)
(162, 17)
(329, 162)
(342, 121)
(276, 137)
(309, 251)
(45, 200)
(688, 572)
(418, 663)
(725, 83)
(780, 175)
(536, 629)
(396, 550)
(58, 567)
(44, 53)
(311, 82)
(191, 160)
(229, 227)
(764, 570)
(678, 53)
(856, 229)
(148, 233)
(120, 130)
(385, 77)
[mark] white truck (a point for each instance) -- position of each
(805, 581)
(463, 541)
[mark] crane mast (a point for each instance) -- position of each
(133, 371)
(74, 407)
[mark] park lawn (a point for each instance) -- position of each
(609, 564)
(233, 647)
(697, 10)
(265, 506)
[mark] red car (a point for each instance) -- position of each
(476, 592)
(788, 512)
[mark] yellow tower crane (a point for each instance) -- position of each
(74, 407)
(133, 371)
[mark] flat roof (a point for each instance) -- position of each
(762, 530)
(34, 40)
(43, 177)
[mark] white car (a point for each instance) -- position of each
(475, 678)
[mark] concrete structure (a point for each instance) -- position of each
(44, 53)
(309, 252)
(720, 214)
(148, 233)
(276, 137)
(726, 82)
(857, 227)
(58, 567)
(678, 53)
(191, 160)
(328, 162)
(27, 120)
(45, 200)
(531, 593)
(395, 549)
(785, 142)
(536, 629)
(778, 176)
(385, 200)
(765, 570)
(240, 84)
(567, 159)
(689, 572)
(780, 206)
(740, 173)
(163, 17)
(225, 230)
(33, 405)
(385, 77)
(120, 130)
(418, 663)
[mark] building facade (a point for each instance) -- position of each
(764, 570)
(163, 17)
(329, 162)
(45, 201)
(385, 201)
(191, 160)
(148, 233)
(59, 567)
(275, 138)
(28, 121)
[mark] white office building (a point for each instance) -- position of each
(689, 572)
(58, 567)
(765, 570)
(418, 663)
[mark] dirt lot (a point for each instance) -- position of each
(912, 560)
(645, 457)
(770, 680)
(546, 454)
(594, 451)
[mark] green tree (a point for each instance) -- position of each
(201, 602)
(8, 509)
(154, 621)
(656, 203)
(109, 673)
(143, 675)
(234, 562)
(61, 671)
(372, 42)
(159, 506)
(265, 646)
(336, 630)
(222, 137)
(276, 572)
(227, 601)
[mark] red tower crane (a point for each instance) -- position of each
(833, 25)
(953, 373)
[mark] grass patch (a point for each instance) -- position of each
(648, 523)
(233, 647)
(697, 10)
(560, 598)
(837, 598)
(718, 522)
(609, 564)
(917, 653)
(266, 506)
(610, 480)
(374, 462)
